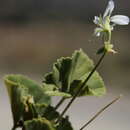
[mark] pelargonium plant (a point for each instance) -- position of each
(70, 78)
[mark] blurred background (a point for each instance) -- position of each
(34, 33)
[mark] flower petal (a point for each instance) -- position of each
(96, 20)
(120, 19)
(109, 8)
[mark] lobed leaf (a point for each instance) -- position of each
(69, 73)
(24, 93)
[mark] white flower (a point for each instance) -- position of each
(107, 22)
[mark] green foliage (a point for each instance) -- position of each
(38, 124)
(23, 93)
(31, 102)
(32, 87)
(44, 124)
(64, 124)
(68, 74)
(52, 90)
(17, 99)
(51, 114)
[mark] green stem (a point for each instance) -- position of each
(60, 103)
(80, 89)
(99, 112)
(109, 36)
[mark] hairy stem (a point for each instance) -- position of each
(60, 103)
(99, 112)
(80, 89)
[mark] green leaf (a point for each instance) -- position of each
(57, 93)
(34, 88)
(81, 65)
(38, 124)
(69, 73)
(50, 113)
(23, 93)
(52, 90)
(17, 98)
(95, 86)
(61, 72)
(64, 124)
(40, 108)
(47, 121)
